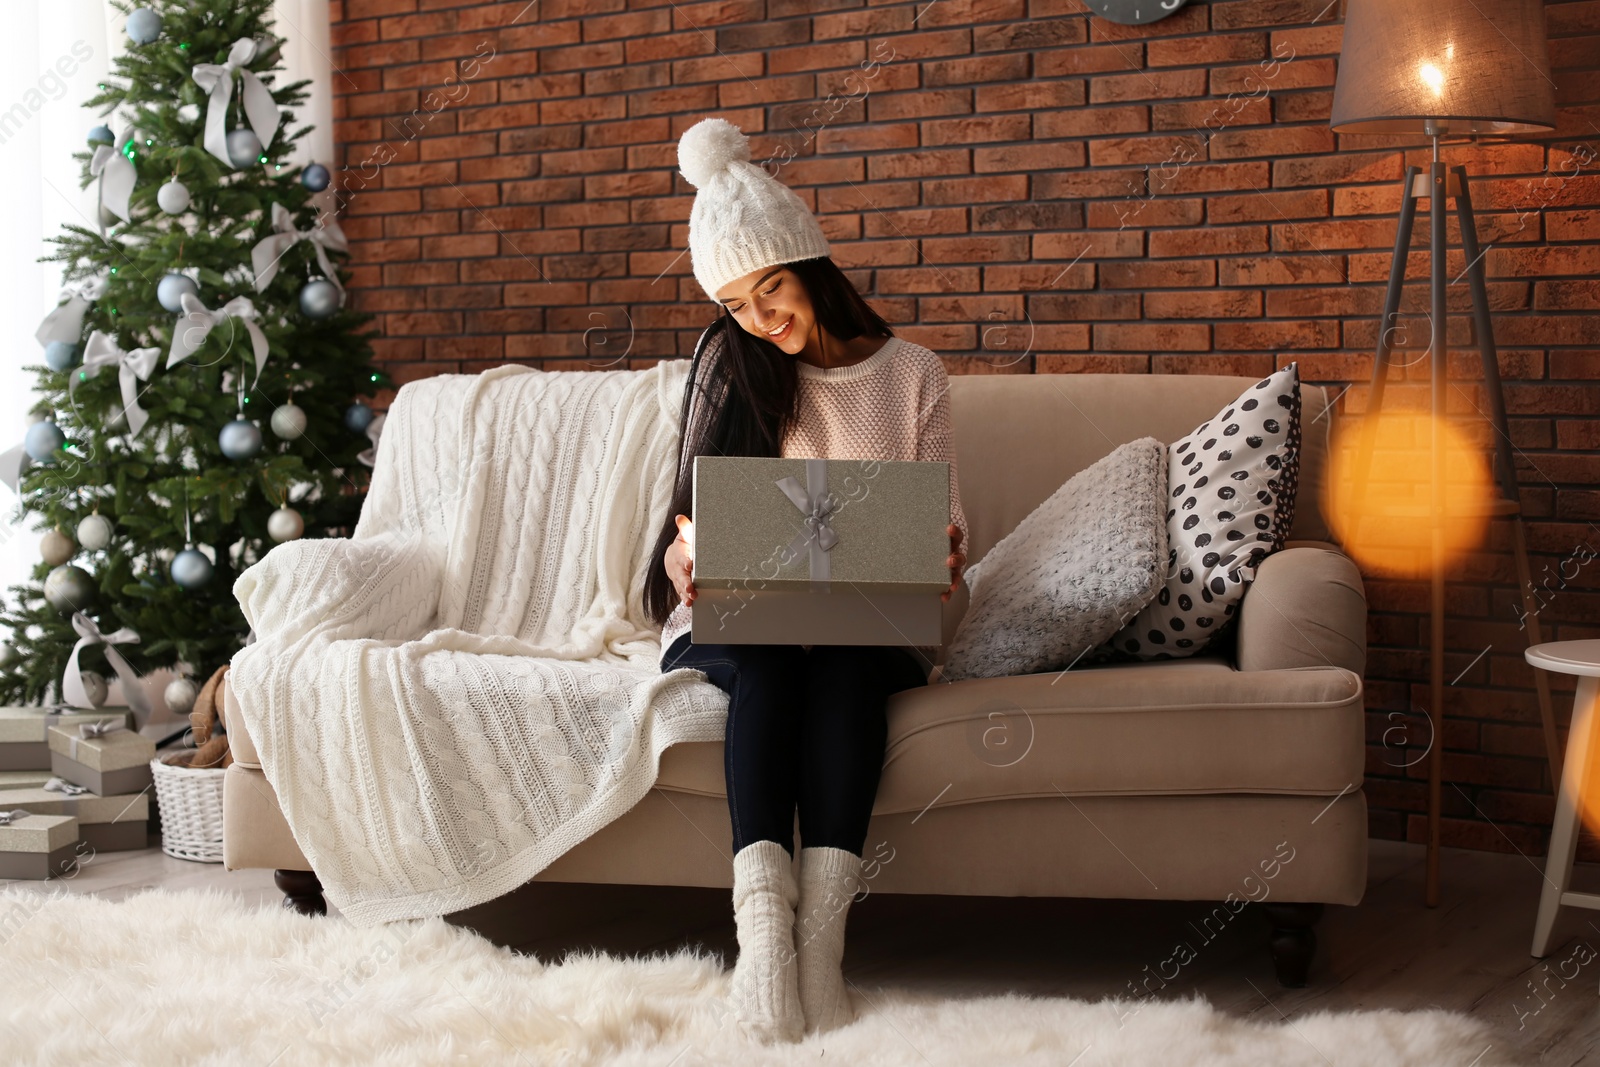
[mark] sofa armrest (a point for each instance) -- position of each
(1306, 608)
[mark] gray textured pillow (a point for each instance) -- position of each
(1071, 573)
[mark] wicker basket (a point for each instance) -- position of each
(190, 799)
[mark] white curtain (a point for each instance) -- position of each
(54, 57)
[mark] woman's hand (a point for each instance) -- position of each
(679, 560)
(957, 560)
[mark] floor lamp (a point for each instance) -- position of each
(1447, 68)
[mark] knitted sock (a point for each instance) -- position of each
(829, 880)
(764, 990)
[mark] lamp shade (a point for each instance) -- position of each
(1455, 66)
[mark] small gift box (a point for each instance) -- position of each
(106, 824)
(811, 551)
(107, 757)
(37, 846)
(24, 733)
(26, 779)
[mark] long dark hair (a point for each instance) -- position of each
(740, 399)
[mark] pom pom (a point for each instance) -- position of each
(708, 147)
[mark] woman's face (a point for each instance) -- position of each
(771, 303)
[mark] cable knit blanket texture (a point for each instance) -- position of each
(468, 686)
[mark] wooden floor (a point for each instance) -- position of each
(1470, 954)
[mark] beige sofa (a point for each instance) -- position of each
(1219, 779)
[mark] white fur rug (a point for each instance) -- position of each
(173, 978)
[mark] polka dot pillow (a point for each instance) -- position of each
(1231, 494)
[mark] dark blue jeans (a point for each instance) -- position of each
(805, 729)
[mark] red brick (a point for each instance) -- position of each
(887, 107)
(1039, 155)
(975, 130)
(1030, 96)
(1090, 121)
(1268, 206)
(1093, 59)
(1162, 149)
(1210, 115)
(1207, 241)
(1206, 51)
(1152, 337)
(995, 68)
(1276, 336)
(1271, 142)
(1145, 85)
(1282, 270)
(1180, 274)
(1203, 304)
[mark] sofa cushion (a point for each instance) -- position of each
(1001, 423)
(1231, 489)
(1194, 726)
(1071, 573)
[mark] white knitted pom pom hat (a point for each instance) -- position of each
(743, 218)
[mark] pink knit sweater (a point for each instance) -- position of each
(895, 404)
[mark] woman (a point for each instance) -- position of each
(796, 365)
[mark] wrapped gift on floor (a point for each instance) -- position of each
(24, 733)
(819, 551)
(106, 824)
(37, 846)
(107, 757)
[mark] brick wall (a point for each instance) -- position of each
(1165, 199)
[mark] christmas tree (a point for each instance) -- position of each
(199, 399)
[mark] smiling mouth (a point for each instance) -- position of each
(778, 335)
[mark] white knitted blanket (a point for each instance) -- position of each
(467, 687)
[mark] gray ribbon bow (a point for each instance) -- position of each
(117, 179)
(269, 250)
(132, 367)
(197, 322)
(64, 323)
(92, 731)
(72, 690)
(9, 817)
(216, 79)
(818, 507)
(61, 785)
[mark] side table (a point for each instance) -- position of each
(1582, 659)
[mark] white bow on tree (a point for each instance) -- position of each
(117, 177)
(64, 323)
(216, 79)
(132, 367)
(270, 249)
(196, 323)
(72, 691)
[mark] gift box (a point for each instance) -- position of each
(819, 551)
(37, 846)
(106, 824)
(26, 779)
(24, 733)
(106, 757)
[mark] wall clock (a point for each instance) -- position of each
(1134, 12)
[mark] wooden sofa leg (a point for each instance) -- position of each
(1293, 942)
(302, 891)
